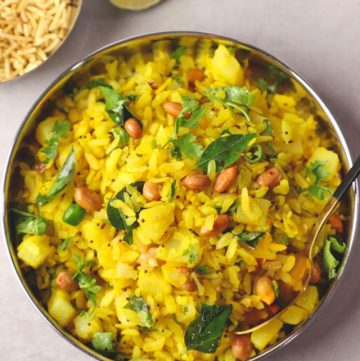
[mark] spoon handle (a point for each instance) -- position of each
(348, 180)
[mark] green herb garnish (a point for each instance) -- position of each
(64, 177)
(205, 332)
(330, 262)
(85, 281)
(115, 104)
(225, 150)
(234, 97)
(251, 238)
(60, 131)
(172, 191)
(103, 343)
(138, 305)
(192, 253)
(272, 79)
(318, 171)
(204, 270)
(65, 243)
(186, 146)
(178, 53)
(276, 288)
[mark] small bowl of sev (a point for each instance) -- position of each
(31, 31)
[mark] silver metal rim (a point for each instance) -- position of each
(352, 233)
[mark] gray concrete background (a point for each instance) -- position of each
(318, 38)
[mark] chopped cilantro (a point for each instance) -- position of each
(192, 253)
(187, 147)
(85, 281)
(276, 288)
(330, 262)
(178, 53)
(204, 270)
(103, 343)
(138, 305)
(318, 171)
(60, 131)
(251, 238)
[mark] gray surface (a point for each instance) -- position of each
(318, 38)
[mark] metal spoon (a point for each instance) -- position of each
(307, 254)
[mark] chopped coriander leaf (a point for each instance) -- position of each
(65, 243)
(251, 238)
(172, 191)
(318, 171)
(192, 253)
(85, 281)
(31, 225)
(28, 223)
(103, 343)
(138, 305)
(190, 106)
(204, 270)
(271, 80)
(187, 146)
(235, 97)
(178, 53)
(205, 332)
(330, 262)
(64, 177)
(225, 150)
(60, 131)
(121, 135)
(283, 240)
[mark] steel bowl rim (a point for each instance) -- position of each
(309, 88)
(52, 54)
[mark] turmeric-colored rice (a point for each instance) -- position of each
(175, 264)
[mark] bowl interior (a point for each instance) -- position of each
(259, 60)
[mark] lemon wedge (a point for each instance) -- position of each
(134, 4)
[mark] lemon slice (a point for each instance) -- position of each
(134, 4)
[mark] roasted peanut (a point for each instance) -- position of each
(336, 223)
(172, 108)
(241, 347)
(222, 221)
(148, 259)
(270, 178)
(151, 191)
(274, 309)
(189, 286)
(315, 273)
(196, 182)
(65, 281)
(133, 128)
(87, 199)
(194, 75)
(265, 290)
(226, 179)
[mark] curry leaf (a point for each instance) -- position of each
(64, 177)
(225, 150)
(203, 270)
(65, 243)
(187, 147)
(204, 333)
(138, 305)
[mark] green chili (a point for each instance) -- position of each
(254, 154)
(74, 214)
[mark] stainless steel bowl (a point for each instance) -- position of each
(127, 46)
